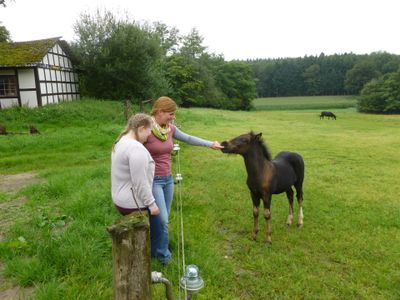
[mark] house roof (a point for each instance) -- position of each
(26, 53)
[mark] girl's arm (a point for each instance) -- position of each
(195, 141)
(138, 164)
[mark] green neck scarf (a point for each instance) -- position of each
(160, 132)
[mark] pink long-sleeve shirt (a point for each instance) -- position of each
(161, 152)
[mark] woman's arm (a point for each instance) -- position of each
(138, 167)
(195, 141)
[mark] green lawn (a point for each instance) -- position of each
(304, 102)
(349, 247)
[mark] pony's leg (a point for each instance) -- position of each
(299, 196)
(256, 204)
(289, 194)
(267, 217)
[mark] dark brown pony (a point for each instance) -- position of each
(266, 176)
(327, 114)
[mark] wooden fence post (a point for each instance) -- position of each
(142, 103)
(131, 257)
(127, 109)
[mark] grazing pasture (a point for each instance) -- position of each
(348, 248)
(304, 102)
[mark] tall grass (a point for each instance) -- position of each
(348, 248)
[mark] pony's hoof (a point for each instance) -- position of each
(300, 225)
(268, 243)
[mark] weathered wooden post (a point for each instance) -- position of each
(131, 257)
(142, 103)
(127, 109)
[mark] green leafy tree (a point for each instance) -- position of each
(311, 77)
(192, 47)
(130, 65)
(119, 59)
(92, 31)
(184, 79)
(236, 81)
(360, 74)
(189, 73)
(381, 95)
(169, 38)
(4, 34)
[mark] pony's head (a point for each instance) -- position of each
(242, 143)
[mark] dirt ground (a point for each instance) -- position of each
(8, 211)
(12, 183)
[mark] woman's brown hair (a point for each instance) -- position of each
(164, 103)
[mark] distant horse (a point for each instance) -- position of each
(266, 176)
(327, 114)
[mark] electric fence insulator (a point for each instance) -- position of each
(178, 177)
(176, 147)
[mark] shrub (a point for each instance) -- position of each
(381, 95)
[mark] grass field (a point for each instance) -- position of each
(314, 102)
(349, 247)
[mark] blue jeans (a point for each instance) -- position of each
(163, 191)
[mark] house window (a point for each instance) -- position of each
(8, 86)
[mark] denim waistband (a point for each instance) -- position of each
(162, 177)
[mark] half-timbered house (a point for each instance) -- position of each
(37, 73)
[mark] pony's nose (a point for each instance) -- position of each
(224, 144)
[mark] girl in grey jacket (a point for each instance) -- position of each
(132, 168)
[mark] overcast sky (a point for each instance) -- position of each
(238, 29)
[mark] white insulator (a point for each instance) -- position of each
(178, 177)
(176, 147)
(155, 276)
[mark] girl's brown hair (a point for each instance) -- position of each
(134, 122)
(164, 103)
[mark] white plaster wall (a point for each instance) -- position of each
(28, 98)
(44, 100)
(6, 103)
(26, 79)
(41, 73)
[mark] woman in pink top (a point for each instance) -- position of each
(160, 144)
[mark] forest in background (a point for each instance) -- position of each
(339, 74)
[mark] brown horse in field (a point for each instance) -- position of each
(266, 177)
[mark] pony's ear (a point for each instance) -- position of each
(258, 136)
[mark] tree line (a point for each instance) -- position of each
(321, 75)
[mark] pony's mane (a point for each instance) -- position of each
(263, 146)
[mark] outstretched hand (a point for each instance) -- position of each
(217, 146)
